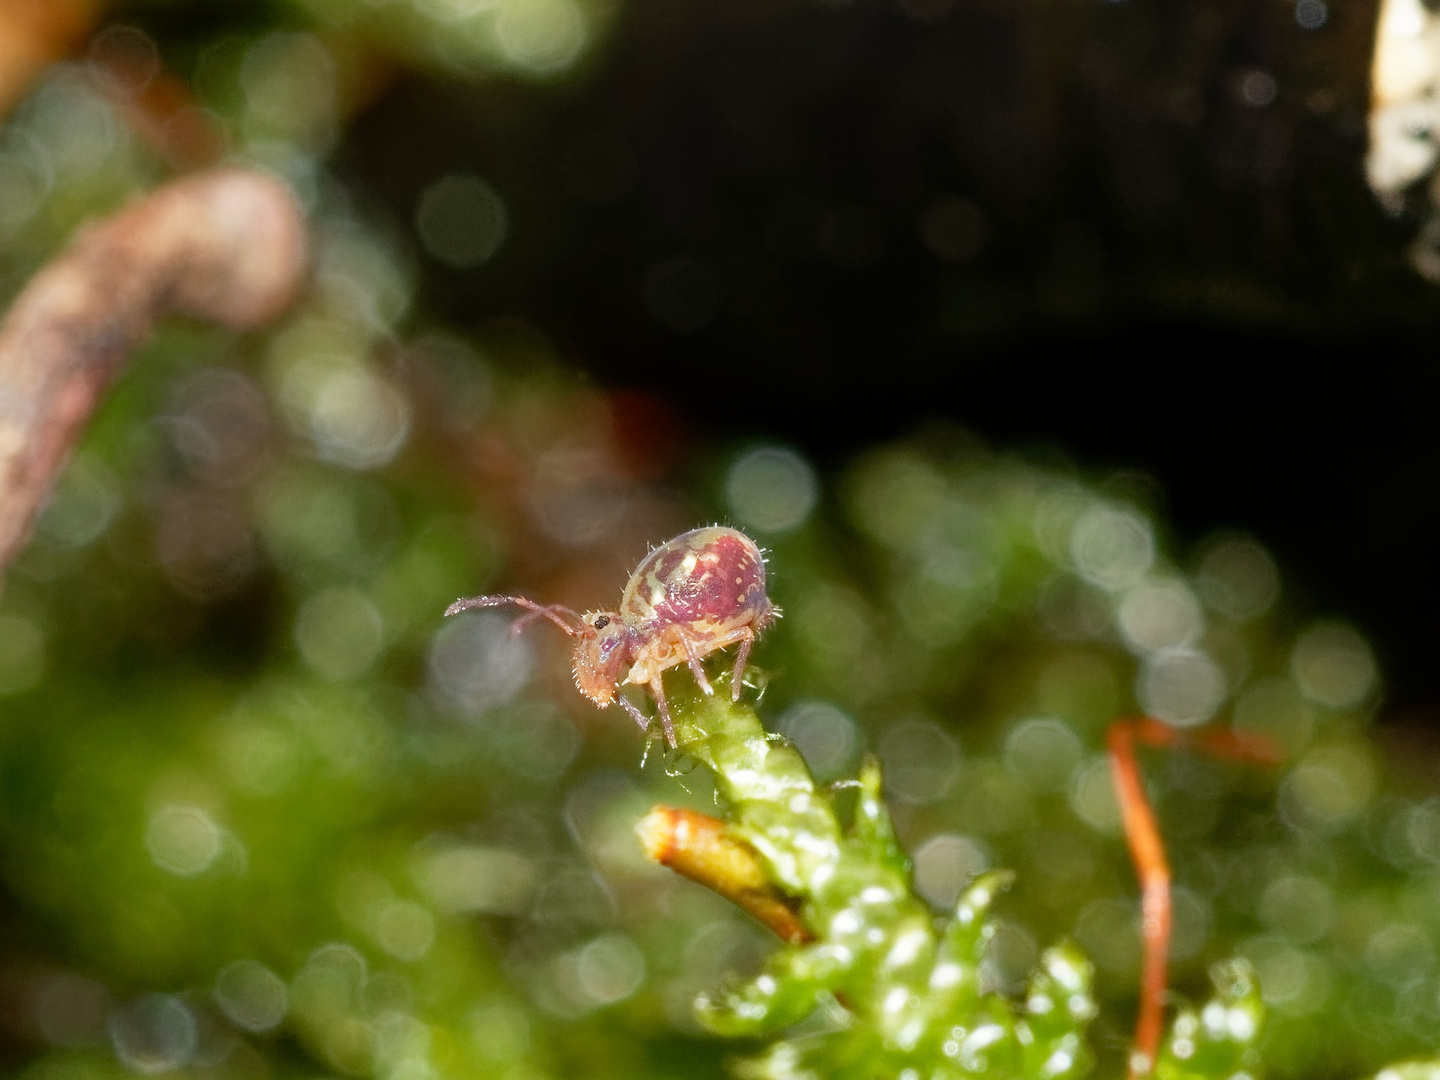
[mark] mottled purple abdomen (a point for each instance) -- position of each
(706, 579)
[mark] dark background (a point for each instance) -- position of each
(728, 205)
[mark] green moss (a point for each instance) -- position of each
(886, 988)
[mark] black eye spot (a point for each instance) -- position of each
(602, 622)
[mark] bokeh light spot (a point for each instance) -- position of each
(1281, 968)
(1333, 665)
(289, 84)
(461, 220)
(362, 280)
(1092, 796)
(921, 761)
(469, 879)
(220, 425)
(251, 995)
(1237, 578)
(339, 633)
(1112, 548)
(82, 505)
(1256, 88)
(895, 496)
(825, 736)
(156, 1033)
(544, 36)
(1422, 830)
(610, 968)
(1160, 614)
(1298, 908)
(944, 864)
(534, 741)
(1312, 14)
(183, 840)
(1399, 954)
(81, 125)
(125, 58)
(1043, 754)
(1183, 687)
(260, 759)
(477, 663)
(771, 489)
(358, 418)
(404, 929)
(1327, 788)
(329, 982)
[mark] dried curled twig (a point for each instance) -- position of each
(226, 246)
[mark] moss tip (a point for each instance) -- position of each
(656, 831)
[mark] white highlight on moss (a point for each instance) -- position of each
(946, 975)
(907, 947)
(896, 1000)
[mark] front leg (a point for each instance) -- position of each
(657, 687)
(634, 710)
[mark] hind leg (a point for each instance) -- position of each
(743, 654)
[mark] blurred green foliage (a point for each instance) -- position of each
(261, 813)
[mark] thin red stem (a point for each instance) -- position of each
(1147, 850)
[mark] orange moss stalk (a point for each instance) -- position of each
(698, 846)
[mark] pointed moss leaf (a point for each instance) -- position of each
(989, 1043)
(1059, 1006)
(969, 931)
(873, 826)
(1219, 1040)
(1411, 1070)
(986, 1045)
(774, 805)
(784, 994)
